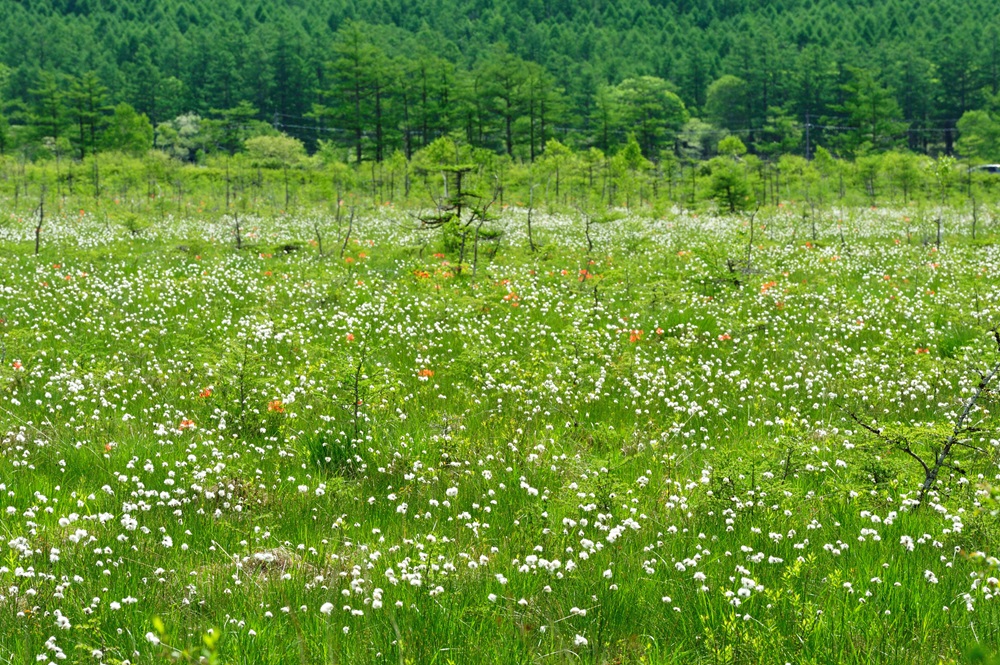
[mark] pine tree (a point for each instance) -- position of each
(86, 104)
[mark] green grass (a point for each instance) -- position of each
(709, 463)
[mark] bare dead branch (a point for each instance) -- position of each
(941, 460)
(900, 443)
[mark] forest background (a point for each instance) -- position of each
(739, 93)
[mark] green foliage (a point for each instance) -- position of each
(781, 135)
(5, 136)
(648, 107)
(86, 108)
(728, 185)
(275, 151)
(725, 104)
(128, 131)
(374, 80)
(231, 127)
(631, 155)
(698, 139)
(874, 112)
(183, 137)
(979, 136)
(732, 146)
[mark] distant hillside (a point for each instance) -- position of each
(794, 58)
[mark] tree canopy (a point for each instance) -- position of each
(373, 78)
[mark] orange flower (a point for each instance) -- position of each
(350, 337)
(348, 260)
(426, 372)
(18, 366)
(276, 406)
(635, 336)
(923, 350)
(186, 424)
(724, 337)
(205, 392)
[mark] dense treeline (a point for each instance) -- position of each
(273, 176)
(368, 79)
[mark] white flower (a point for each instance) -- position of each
(580, 641)
(326, 608)
(452, 491)
(152, 639)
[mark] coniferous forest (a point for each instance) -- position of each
(373, 78)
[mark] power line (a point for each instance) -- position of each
(621, 132)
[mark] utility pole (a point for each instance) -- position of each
(808, 144)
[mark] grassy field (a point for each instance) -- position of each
(651, 451)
